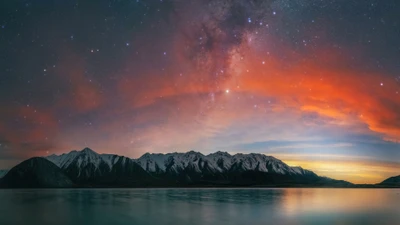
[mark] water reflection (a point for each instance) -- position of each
(337, 200)
(201, 206)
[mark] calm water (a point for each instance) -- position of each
(201, 206)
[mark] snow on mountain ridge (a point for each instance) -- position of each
(217, 162)
(181, 161)
(152, 162)
(158, 162)
(63, 160)
(84, 158)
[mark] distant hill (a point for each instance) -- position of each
(392, 181)
(35, 173)
(86, 168)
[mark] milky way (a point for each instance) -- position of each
(314, 83)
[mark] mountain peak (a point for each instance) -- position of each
(221, 153)
(192, 152)
(88, 150)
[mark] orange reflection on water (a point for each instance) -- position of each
(328, 200)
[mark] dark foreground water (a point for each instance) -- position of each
(201, 206)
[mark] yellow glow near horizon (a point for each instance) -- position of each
(358, 172)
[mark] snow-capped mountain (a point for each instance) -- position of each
(223, 168)
(222, 160)
(87, 166)
(176, 162)
(87, 163)
(218, 162)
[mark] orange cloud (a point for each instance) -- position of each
(324, 82)
(331, 89)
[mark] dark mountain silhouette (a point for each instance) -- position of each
(392, 181)
(36, 173)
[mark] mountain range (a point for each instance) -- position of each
(86, 168)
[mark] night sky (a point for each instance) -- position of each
(312, 82)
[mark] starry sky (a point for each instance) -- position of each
(312, 82)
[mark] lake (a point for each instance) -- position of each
(200, 206)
